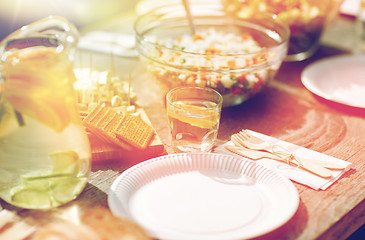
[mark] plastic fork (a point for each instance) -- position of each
(256, 155)
(247, 140)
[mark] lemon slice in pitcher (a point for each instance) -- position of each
(68, 189)
(65, 162)
(38, 85)
(31, 198)
(32, 194)
(43, 193)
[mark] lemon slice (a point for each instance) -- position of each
(68, 189)
(39, 84)
(31, 198)
(65, 162)
(204, 105)
(198, 116)
(43, 193)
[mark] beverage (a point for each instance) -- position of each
(41, 168)
(44, 151)
(193, 122)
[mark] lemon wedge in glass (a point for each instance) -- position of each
(199, 116)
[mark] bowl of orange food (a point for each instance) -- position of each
(233, 56)
(306, 19)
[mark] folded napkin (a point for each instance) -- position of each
(292, 172)
(118, 44)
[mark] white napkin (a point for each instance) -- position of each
(118, 44)
(294, 173)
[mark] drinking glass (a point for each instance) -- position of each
(44, 151)
(193, 116)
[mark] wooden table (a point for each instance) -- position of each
(285, 110)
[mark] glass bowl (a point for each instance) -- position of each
(306, 19)
(233, 56)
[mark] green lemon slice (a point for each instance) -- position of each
(68, 189)
(65, 162)
(50, 187)
(33, 193)
(46, 192)
(31, 198)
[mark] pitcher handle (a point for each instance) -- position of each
(52, 31)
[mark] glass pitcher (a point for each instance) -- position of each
(44, 151)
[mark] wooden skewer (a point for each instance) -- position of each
(129, 90)
(189, 16)
(112, 63)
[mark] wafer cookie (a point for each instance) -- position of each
(135, 131)
(96, 119)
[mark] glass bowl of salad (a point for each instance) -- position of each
(306, 19)
(236, 57)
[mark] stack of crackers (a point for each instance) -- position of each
(113, 134)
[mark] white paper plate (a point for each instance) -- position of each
(340, 79)
(203, 196)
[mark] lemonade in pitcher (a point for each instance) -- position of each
(44, 151)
